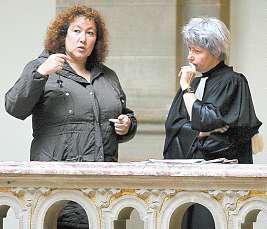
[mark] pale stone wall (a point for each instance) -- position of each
(23, 26)
(249, 54)
(198, 8)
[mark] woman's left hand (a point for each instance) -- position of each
(218, 130)
(121, 124)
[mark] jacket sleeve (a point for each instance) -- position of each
(22, 97)
(133, 127)
(114, 81)
(125, 110)
(229, 104)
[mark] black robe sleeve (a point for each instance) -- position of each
(179, 133)
(228, 102)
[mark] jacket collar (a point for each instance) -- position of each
(67, 72)
(95, 69)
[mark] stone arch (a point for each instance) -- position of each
(183, 200)
(248, 211)
(10, 201)
(123, 206)
(47, 208)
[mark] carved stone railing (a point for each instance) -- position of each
(159, 192)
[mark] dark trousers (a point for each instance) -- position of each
(198, 217)
(72, 216)
(68, 226)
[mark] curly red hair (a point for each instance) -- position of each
(57, 31)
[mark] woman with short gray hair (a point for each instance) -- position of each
(208, 33)
(211, 116)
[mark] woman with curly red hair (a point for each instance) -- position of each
(77, 104)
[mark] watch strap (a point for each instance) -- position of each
(188, 90)
(38, 75)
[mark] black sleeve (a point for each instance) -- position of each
(230, 103)
(179, 133)
(133, 127)
(22, 97)
(125, 110)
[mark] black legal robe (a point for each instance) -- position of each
(226, 101)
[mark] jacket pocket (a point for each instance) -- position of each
(55, 105)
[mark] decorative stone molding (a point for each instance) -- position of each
(155, 197)
(182, 200)
(7, 199)
(109, 192)
(128, 201)
(18, 191)
(101, 196)
(247, 207)
(29, 195)
(229, 198)
(48, 207)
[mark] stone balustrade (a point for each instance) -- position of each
(159, 192)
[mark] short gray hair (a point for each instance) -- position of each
(209, 33)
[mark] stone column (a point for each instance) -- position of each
(197, 8)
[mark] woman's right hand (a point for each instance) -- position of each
(53, 63)
(187, 74)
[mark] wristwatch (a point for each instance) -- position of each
(37, 75)
(188, 90)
